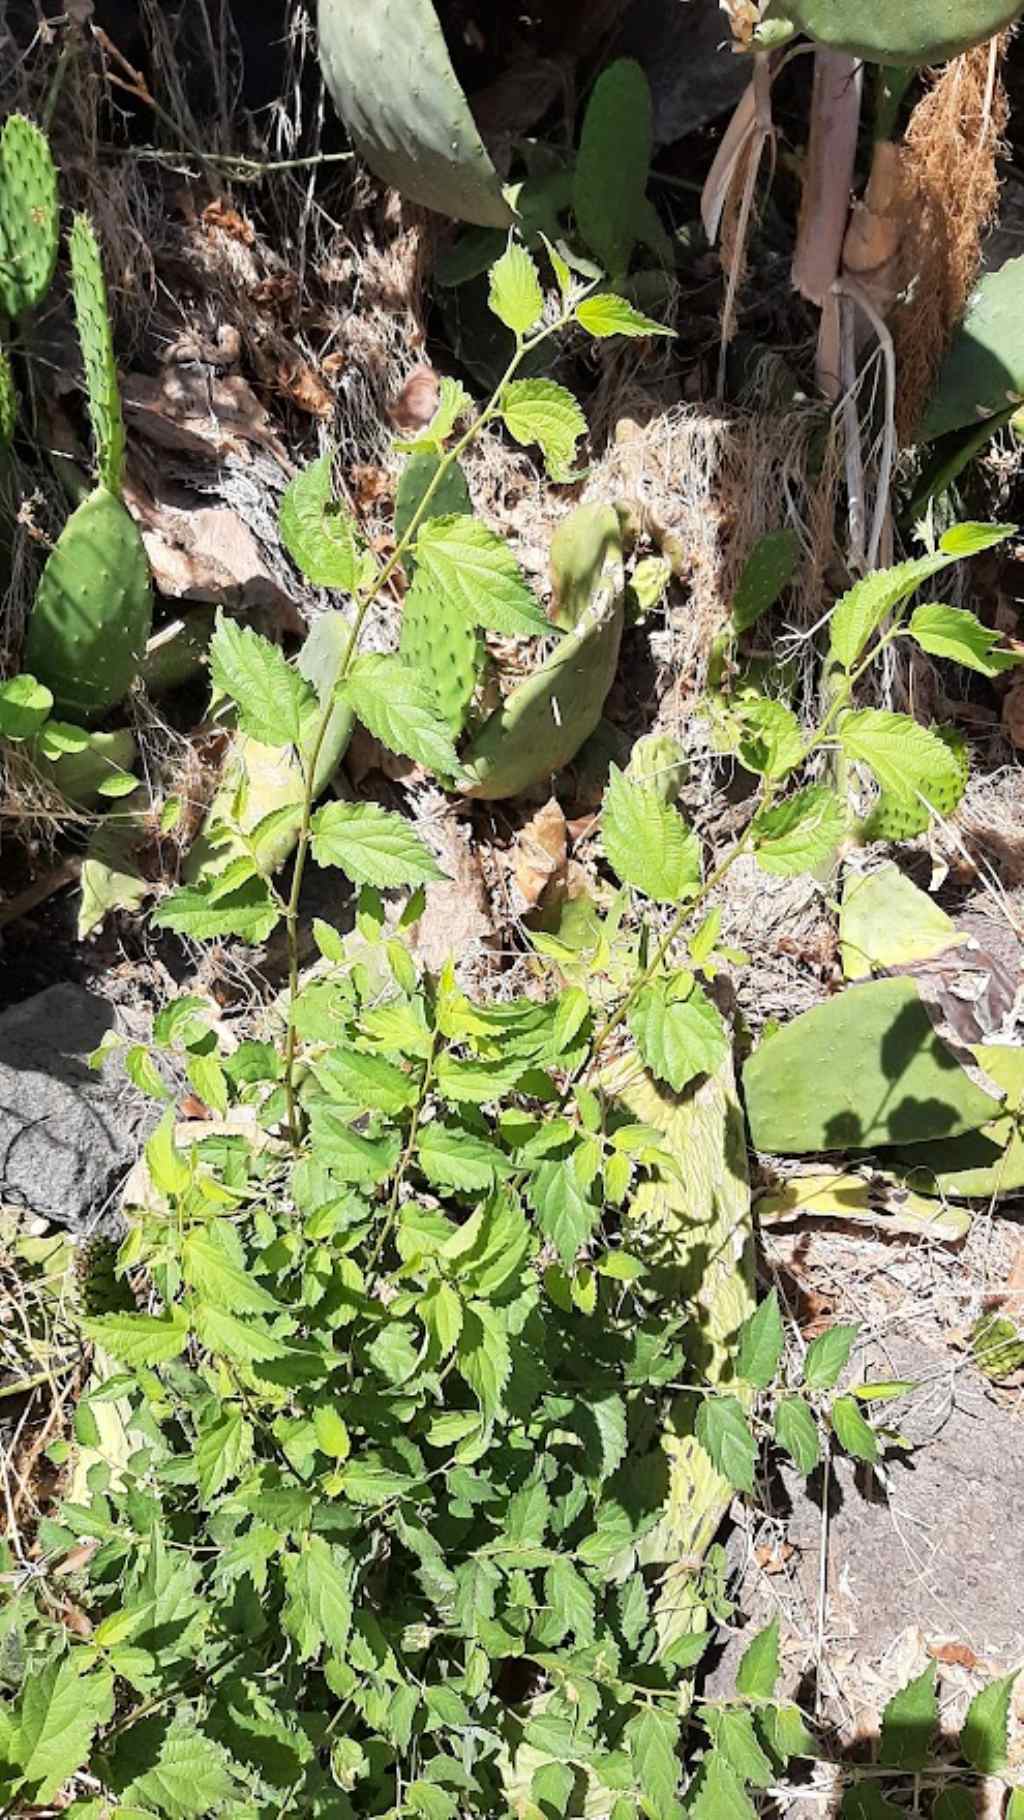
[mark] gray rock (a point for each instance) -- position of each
(67, 1135)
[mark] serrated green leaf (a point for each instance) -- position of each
(758, 1670)
(605, 314)
(771, 740)
(140, 1339)
(476, 1083)
(248, 909)
(212, 1263)
(490, 1248)
(953, 633)
(828, 1354)
(785, 1733)
(453, 401)
(800, 834)
(653, 1748)
(768, 569)
(724, 1432)
(351, 1157)
(332, 1435)
(572, 1600)
(207, 1079)
(24, 706)
(720, 1794)
(318, 1608)
(731, 1730)
(221, 1452)
(144, 1074)
(61, 1709)
(912, 764)
(514, 293)
(452, 1157)
(852, 1432)
(399, 709)
(191, 1776)
(679, 1033)
(860, 612)
(909, 1722)
(477, 576)
(366, 1081)
(646, 841)
(797, 1431)
(959, 1804)
(565, 1212)
(441, 1312)
(318, 534)
(760, 1343)
(247, 1342)
(372, 846)
(273, 700)
(971, 538)
(983, 1737)
(483, 1355)
(538, 410)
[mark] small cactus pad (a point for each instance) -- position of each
(29, 216)
(914, 32)
(93, 318)
(93, 611)
(445, 649)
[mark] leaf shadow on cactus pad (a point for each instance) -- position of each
(903, 1115)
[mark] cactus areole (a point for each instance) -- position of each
(914, 32)
(390, 77)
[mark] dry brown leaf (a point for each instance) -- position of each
(540, 854)
(773, 1560)
(305, 388)
(457, 922)
(417, 401)
(955, 1655)
(206, 553)
(220, 214)
(279, 289)
(189, 411)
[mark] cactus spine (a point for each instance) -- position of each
(29, 216)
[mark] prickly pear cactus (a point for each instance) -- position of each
(8, 402)
(29, 216)
(93, 318)
(445, 649)
(542, 724)
(914, 32)
(391, 79)
(93, 610)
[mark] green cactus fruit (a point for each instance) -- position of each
(859, 1072)
(93, 318)
(543, 723)
(914, 32)
(987, 1164)
(29, 216)
(445, 649)
(390, 76)
(658, 759)
(260, 779)
(93, 610)
(8, 402)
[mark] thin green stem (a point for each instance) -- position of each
(406, 1157)
(524, 346)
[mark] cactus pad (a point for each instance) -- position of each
(93, 319)
(29, 216)
(92, 614)
(915, 32)
(389, 73)
(543, 723)
(445, 649)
